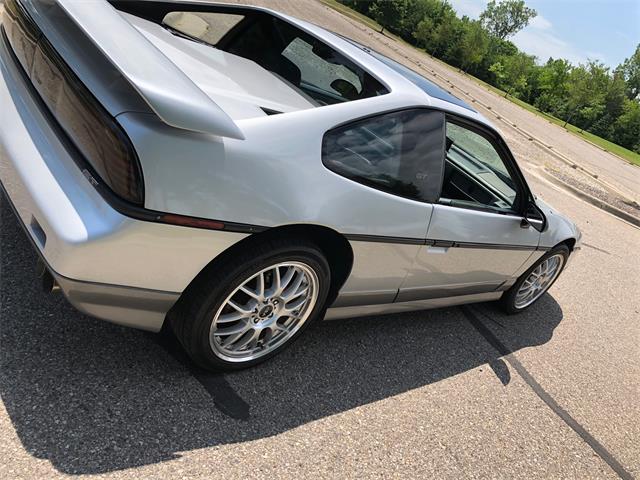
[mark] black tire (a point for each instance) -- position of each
(508, 299)
(192, 318)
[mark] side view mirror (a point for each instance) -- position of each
(534, 217)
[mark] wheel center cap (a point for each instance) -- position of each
(265, 311)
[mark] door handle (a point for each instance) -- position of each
(440, 246)
(433, 249)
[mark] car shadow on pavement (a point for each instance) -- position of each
(91, 397)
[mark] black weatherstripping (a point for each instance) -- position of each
(356, 237)
(493, 246)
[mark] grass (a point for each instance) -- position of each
(369, 22)
(624, 153)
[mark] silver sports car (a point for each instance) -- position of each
(238, 173)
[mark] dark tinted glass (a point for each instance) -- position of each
(399, 152)
(475, 173)
(320, 71)
(22, 33)
(91, 129)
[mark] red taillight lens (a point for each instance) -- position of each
(194, 222)
(87, 124)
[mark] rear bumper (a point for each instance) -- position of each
(109, 265)
(131, 307)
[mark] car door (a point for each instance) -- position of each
(396, 156)
(477, 241)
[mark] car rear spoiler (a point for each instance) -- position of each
(168, 91)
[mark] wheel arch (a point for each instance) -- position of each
(569, 242)
(333, 245)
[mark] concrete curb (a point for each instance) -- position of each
(541, 173)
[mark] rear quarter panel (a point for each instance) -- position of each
(273, 177)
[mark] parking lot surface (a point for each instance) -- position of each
(450, 393)
(464, 392)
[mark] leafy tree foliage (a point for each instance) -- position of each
(390, 15)
(473, 45)
(506, 18)
(630, 70)
(627, 126)
(590, 96)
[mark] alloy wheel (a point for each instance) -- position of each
(539, 281)
(265, 311)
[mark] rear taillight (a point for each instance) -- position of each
(88, 125)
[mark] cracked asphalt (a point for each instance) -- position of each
(449, 393)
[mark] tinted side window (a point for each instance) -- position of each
(399, 152)
(475, 173)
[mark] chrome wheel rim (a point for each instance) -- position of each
(539, 281)
(265, 311)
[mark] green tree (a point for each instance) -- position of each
(615, 96)
(497, 49)
(512, 73)
(498, 74)
(389, 14)
(449, 33)
(437, 35)
(473, 45)
(506, 18)
(552, 86)
(426, 34)
(417, 10)
(627, 126)
(586, 89)
(614, 100)
(630, 70)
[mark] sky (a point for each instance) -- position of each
(578, 30)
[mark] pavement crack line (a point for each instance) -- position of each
(571, 422)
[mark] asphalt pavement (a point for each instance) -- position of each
(450, 393)
(464, 392)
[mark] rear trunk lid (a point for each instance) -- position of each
(122, 68)
(241, 87)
